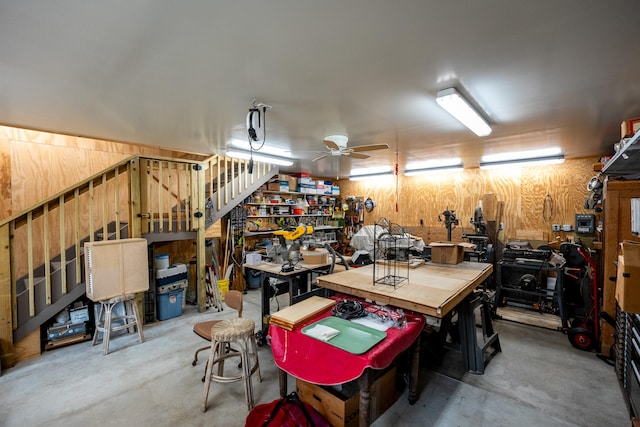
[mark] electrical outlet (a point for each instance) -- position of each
(502, 226)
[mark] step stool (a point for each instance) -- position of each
(105, 320)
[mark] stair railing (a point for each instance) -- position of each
(41, 268)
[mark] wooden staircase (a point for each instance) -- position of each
(158, 199)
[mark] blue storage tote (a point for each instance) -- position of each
(170, 305)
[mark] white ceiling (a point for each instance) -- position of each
(183, 74)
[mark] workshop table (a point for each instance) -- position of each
(300, 275)
(317, 362)
(431, 289)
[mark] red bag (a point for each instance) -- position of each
(289, 411)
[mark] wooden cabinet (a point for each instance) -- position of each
(617, 197)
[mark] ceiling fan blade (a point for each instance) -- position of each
(370, 147)
(331, 145)
(321, 157)
(357, 155)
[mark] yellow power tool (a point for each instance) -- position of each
(294, 235)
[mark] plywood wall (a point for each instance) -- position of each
(35, 165)
(523, 190)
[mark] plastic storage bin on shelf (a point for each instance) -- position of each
(172, 274)
(161, 261)
(173, 278)
(170, 305)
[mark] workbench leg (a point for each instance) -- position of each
(471, 353)
(264, 326)
(282, 378)
(364, 383)
(415, 371)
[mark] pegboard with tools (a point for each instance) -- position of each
(354, 215)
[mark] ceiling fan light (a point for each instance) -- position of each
(340, 140)
(456, 105)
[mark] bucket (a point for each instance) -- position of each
(161, 261)
(223, 285)
(253, 279)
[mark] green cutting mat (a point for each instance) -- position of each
(353, 337)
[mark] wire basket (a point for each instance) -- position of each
(390, 254)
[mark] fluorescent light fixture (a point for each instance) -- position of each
(265, 149)
(369, 173)
(455, 104)
(430, 166)
(545, 156)
(245, 155)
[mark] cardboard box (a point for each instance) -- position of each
(628, 277)
(116, 267)
(448, 252)
(278, 186)
(315, 257)
(293, 183)
(629, 127)
(341, 409)
(79, 315)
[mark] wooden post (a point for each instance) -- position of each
(135, 221)
(198, 186)
(7, 356)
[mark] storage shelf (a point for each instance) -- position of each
(289, 216)
(310, 205)
(281, 192)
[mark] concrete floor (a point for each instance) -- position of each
(538, 380)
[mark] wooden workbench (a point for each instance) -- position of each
(432, 289)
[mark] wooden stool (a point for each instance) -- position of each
(104, 324)
(238, 331)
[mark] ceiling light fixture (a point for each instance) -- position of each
(430, 166)
(369, 173)
(245, 155)
(545, 156)
(266, 149)
(455, 104)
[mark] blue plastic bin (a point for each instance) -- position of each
(170, 305)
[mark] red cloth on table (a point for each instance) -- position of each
(317, 362)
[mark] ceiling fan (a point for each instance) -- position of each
(337, 146)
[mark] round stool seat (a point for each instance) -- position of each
(232, 329)
(239, 332)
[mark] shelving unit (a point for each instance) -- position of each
(268, 211)
(627, 356)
